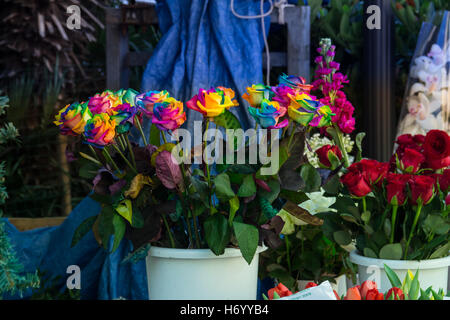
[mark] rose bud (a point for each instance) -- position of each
(329, 156)
(356, 184)
(410, 161)
(395, 188)
(437, 149)
(422, 189)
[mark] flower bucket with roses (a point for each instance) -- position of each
(397, 210)
(151, 197)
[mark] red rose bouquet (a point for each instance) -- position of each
(397, 210)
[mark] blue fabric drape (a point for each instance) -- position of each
(204, 45)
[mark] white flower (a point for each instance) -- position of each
(317, 203)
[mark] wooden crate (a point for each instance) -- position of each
(24, 224)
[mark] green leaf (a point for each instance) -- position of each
(392, 276)
(247, 237)
(125, 210)
(311, 178)
(137, 221)
(155, 136)
(342, 237)
(88, 170)
(201, 190)
(83, 229)
(223, 187)
(227, 120)
(392, 251)
(441, 251)
(415, 287)
(349, 218)
(105, 225)
(436, 224)
(358, 141)
(234, 207)
(365, 216)
(248, 187)
(217, 233)
(275, 187)
(332, 185)
(370, 253)
(119, 230)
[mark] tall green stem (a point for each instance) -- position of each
(110, 159)
(208, 173)
(172, 242)
(341, 146)
(124, 158)
(130, 149)
(138, 124)
(292, 135)
(364, 204)
(394, 218)
(416, 218)
(164, 137)
(288, 255)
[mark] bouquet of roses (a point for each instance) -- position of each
(397, 210)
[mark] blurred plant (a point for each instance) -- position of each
(52, 288)
(20, 94)
(51, 93)
(12, 278)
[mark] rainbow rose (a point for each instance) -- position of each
(268, 115)
(169, 114)
(124, 117)
(213, 102)
(100, 130)
(256, 93)
(281, 94)
(72, 119)
(146, 101)
(105, 102)
(307, 111)
(296, 83)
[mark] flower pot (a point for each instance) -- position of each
(198, 274)
(432, 272)
(340, 286)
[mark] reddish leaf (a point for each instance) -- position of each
(168, 170)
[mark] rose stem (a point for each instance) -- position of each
(110, 159)
(138, 124)
(394, 217)
(124, 158)
(416, 218)
(172, 242)
(131, 150)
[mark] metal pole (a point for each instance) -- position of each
(379, 70)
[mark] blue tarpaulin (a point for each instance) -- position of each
(203, 45)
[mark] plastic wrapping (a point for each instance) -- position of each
(323, 291)
(426, 104)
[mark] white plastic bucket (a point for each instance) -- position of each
(198, 274)
(432, 272)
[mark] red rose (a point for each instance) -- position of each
(397, 292)
(281, 290)
(373, 294)
(356, 184)
(437, 149)
(422, 189)
(353, 294)
(410, 161)
(447, 200)
(366, 286)
(444, 181)
(383, 170)
(395, 188)
(370, 169)
(327, 153)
